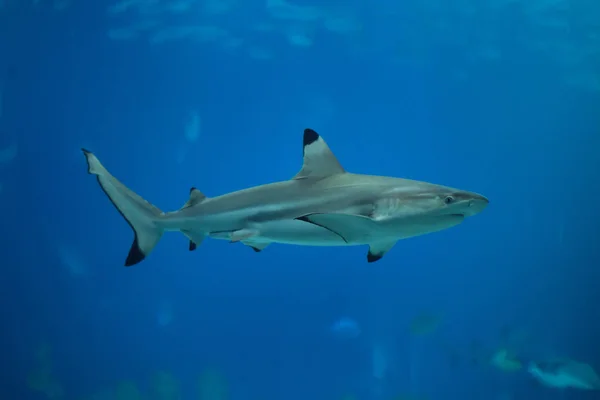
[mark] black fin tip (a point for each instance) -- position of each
(310, 137)
(135, 255)
(373, 257)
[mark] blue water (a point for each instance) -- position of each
(497, 97)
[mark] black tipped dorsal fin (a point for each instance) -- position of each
(318, 161)
(196, 197)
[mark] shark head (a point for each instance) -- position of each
(406, 208)
(428, 201)
(460, 202)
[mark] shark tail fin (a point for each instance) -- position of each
(142, 216)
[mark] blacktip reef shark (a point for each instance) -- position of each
(322, 205)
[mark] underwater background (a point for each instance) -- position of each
(501, 97)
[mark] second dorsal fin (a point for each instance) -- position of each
(196, 197)
(318, 160)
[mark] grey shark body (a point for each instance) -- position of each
(323, 205)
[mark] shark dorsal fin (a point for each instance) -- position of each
(196, 197)
(318, 161)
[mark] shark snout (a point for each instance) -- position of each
(476, 204)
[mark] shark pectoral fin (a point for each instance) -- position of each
(256, 246)
(242, 234)
(378, 250)
(351, 228)
(318, 160)
(195, 238)
(196, 197)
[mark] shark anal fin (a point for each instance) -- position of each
(318, 159)
(195, 238)
(378, 250)
(256, 246)
(371, 258)
(351, 228)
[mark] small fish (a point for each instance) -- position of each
(505, 361)
(9, 153)
(164, 315)
(379, 361)
(346, 327)
(565, 374)
(192, 127)
(425, 323)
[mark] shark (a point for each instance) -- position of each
(322, 205)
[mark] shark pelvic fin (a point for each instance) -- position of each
(318, 160)
(141, 216)
(196, 197)
(378, 250)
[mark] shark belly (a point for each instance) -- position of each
(405, 228)
(298, 233)
(288, 231)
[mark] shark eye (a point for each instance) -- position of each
(449, 200)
